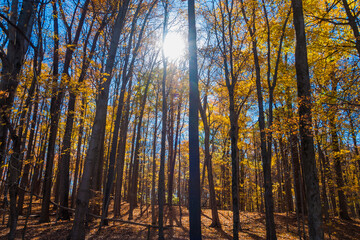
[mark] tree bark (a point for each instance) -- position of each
(13, 61)
(161, 184)
(78, 152)
(121, 155)
(343, 208)
(213, 205)
(134, 185)
(287, 170)
(83, 196)
(194, 155)
(153, 197)
(352, 19)
(56, 102)
(305, 125)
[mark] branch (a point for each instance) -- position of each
(3, 55)
(19, 30)
(12, 131)
(4, 29)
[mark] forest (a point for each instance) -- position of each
(175, 119)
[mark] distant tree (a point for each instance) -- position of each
(161, 184)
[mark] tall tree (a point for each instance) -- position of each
(127, 73)
(305, 125)
(194, 155)
(208, 157)
(161, 184)
(20, 24)
(19, 31)
(56, 101)
(83, 196)
(134, 185)
(64, 162)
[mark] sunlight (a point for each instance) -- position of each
(174, 46)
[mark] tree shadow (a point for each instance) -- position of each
(253, 235)
(223, 234)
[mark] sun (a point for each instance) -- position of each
(174, 46)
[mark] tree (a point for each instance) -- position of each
(56, 102)
(203, 109)
(161, 184)
(305, 120)
(19, 31)
(194, 105)
(83, 196)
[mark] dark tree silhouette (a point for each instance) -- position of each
(194, 181)
(305, 120)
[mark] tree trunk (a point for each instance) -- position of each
(121, 155)
(29, 157)
(265, 140)
(305, 125)
(287, 170)
(65, 156)
(134, 185)
(38, 58)
(294, 151)
(11, 66)
(343, 212)
(213, 205)
(78, 151)
(352, 22)
(161, 184)
(171, 159)
(194, 104)
(12, 62)
(126, 77)
(55, 108)
(153, 197)
(83, 196)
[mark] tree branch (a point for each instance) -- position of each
(19, 30)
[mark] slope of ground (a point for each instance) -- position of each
(252, 224)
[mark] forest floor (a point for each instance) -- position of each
(253, 226)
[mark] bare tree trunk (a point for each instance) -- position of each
(83, 196)
(134, 185)
(305, 125)
(65, 156)
(343, 212)
(171, 159)
(19, 34)
(126, 77)
(194, 155)
(153, 197)
(287, 170)
(12, 64)
(55, 108)
(161, 184)
(121, 155)
(38, 58)
(131, 162)
(295, 161)
(215, 216)
(322, 160)
(78, 151)
(29, 156)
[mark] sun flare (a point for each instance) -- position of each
(174, 46)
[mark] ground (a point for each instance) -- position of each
(252, 224)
